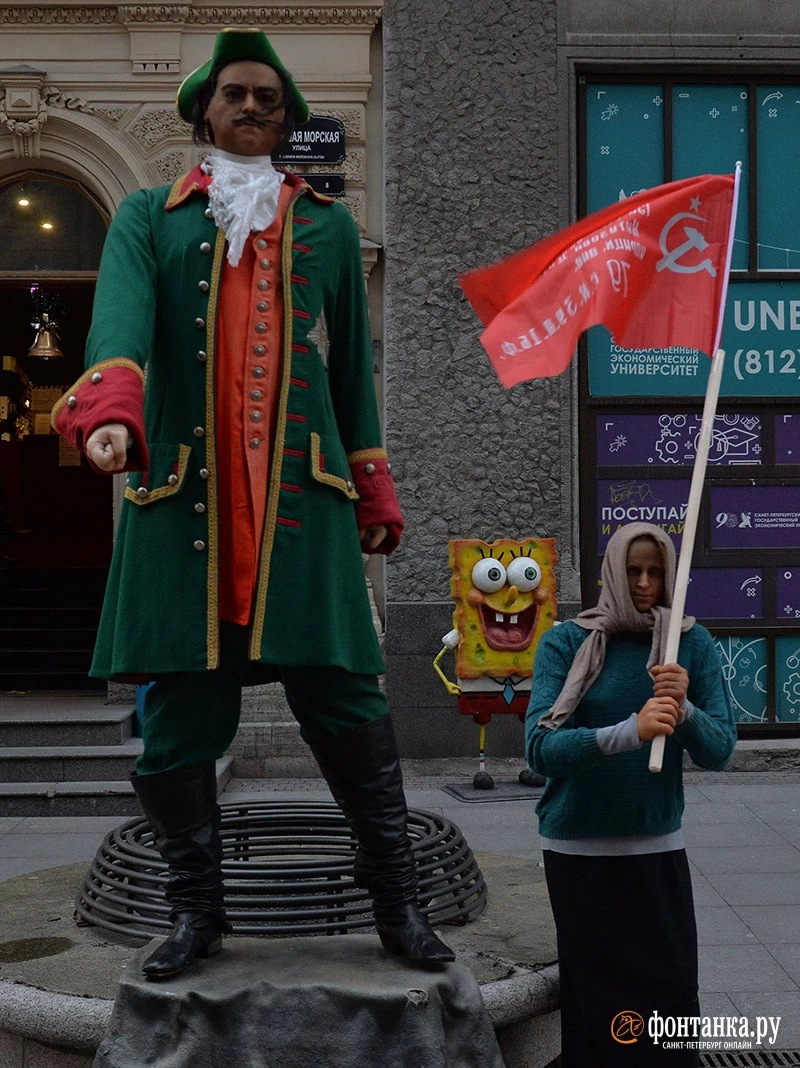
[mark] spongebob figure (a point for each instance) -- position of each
(505, 598)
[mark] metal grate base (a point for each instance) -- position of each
(288, 870)
(774, 1058)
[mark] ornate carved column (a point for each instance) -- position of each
(23, 108)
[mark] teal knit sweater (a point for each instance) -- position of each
(589, 795)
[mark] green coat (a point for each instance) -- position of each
(153, 307)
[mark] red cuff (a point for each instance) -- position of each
(378, 504)
(110, 392)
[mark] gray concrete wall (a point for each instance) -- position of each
(472, 174)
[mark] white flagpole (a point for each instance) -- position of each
(698, 478)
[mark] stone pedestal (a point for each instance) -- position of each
(338, 1001)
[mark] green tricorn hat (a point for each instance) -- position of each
(231, 46)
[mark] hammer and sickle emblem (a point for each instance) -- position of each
(694, 240)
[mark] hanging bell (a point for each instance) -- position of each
(45, 344)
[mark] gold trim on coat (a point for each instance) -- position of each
(273, 495)
(104, 365)
(347, 488)
(212, 638)
(184, 452)
(362, 455)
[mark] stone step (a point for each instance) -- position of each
(83, 721)
(46, 637)
(264, 703)
(112, 798)
(30, 661)
(15, 681)
(26, 578)
(293, 766)
(45, 763)
(277, 742)
(45, 597)
(103, 798)
(55, 619)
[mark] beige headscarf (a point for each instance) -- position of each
(616, 612)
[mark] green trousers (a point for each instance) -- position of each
(192, 717)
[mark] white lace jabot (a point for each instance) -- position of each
(243, 196)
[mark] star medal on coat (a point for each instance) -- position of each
(319, 335)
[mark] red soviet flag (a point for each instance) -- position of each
(650, 268)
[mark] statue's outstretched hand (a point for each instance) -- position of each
(372, 537)
(107, 447)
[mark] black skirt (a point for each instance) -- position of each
(627, 948)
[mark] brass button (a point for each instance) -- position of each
(261, 243)
(258, 372)
(370, 469)
(202, 356)
(199, 545)
(261, 328)
(203, 473)
(199, 432)
(205, 247)
(173, 480)
(263, 284)
(259, 350)
(141, 493)
(200, 507)
(255, 443)
(203, 286)
(264, 265)
(256, 417)
(71, 402)
(200, 324)
(256, 395)
(209, 214)
(262, 306)
(97, 377)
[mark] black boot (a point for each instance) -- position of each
(362, 768)
(181, 807)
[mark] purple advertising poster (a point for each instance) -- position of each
(755, 517)
(638, 440)
(787, 439)
(787, 585)
(725, 593)
(659, 501)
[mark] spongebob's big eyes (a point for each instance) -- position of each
(524, 573)
(489, 575)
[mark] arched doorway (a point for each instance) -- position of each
(55, 513)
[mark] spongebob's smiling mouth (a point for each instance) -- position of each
(508, 631)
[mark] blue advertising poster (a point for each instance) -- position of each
(637, 440)
(761, 338)
(725, 593)
(744, 668)
(778, 148)
(709, 134)
(787, 586)
(641, 500)
(787, 439)
(787, 678)
(755, 517)
(624, 141)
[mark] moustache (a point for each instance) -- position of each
(253, 121)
